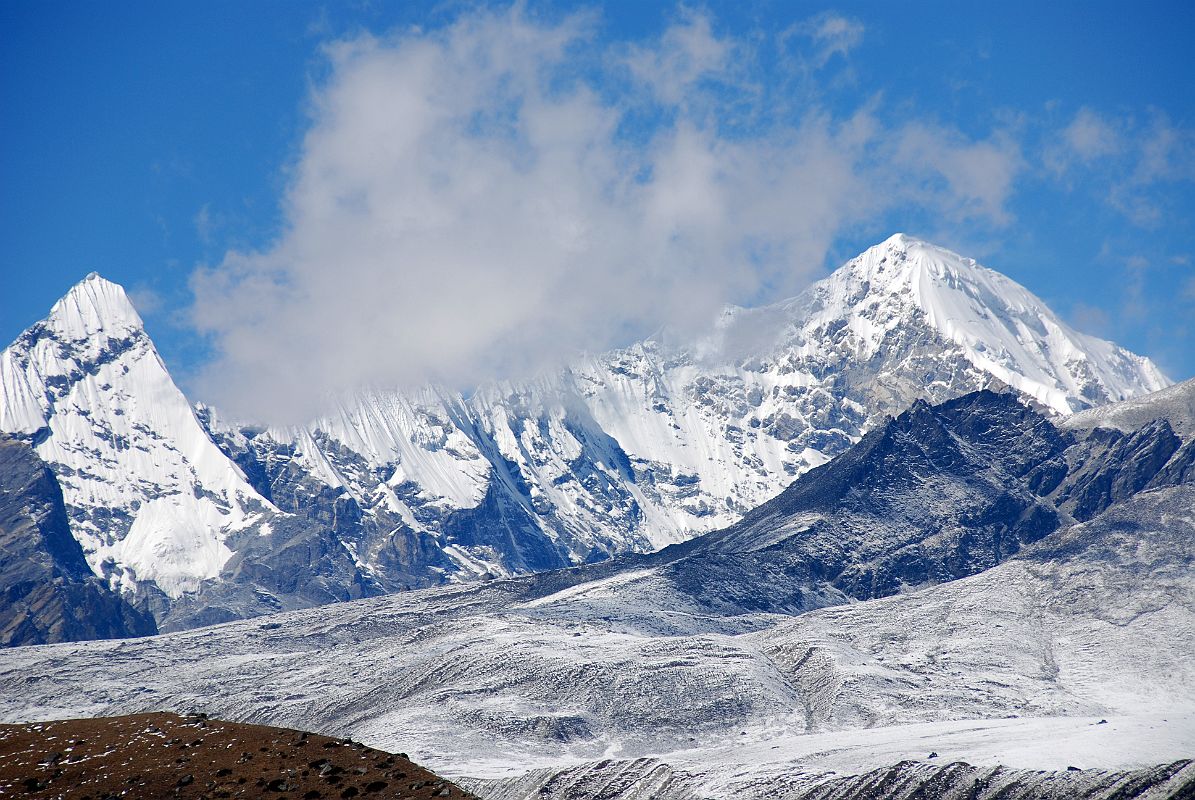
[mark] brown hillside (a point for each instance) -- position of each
(166, 755)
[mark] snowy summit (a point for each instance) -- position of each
(629, 450)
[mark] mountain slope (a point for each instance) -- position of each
(151, 498)
(1175, 404)
(581, 677)
(936, 494)
(47, 591)
(200, 520)
(690, 667)
(647, 446)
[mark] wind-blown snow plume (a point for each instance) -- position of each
(487, 197)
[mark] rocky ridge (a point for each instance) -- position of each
(700, 670)
(47, 590)
(198, 520)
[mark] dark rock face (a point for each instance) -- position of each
(401, 558)
(936, 494)
(1111, 466)
(1178, 470)
(503, 524)
(939, 493)
(47, 591)
(919, 779)
(312, 555)
(296, 565)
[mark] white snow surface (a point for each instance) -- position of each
(1016, 665)
(1175, 404)
(691, 435)
(150, 496)
(629, 450)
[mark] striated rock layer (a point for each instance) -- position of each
(646, 779)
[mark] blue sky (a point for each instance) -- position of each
(188, 151)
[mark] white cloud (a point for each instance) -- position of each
(1167, 153)
(1090, 319)
(146, 300)
(468, 203)
(685, 55)
(969, 179)
(1089, 136)
(1163, 156)
(1134, 160)
(205, 223)
(831, 35)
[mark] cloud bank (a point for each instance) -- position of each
(484, 199)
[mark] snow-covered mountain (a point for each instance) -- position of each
(691, 673)
(650, 445)
(630, 450)
(162, 514)
(151, 497)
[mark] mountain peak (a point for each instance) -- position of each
(899, 240)
(906, 243)
(905, 284)
(150, 495)
(901, 259)
(94, 305)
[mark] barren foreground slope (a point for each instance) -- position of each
(167, 755)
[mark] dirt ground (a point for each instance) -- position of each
(166, 755)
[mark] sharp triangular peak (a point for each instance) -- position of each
(151, 496)
(93, 305)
